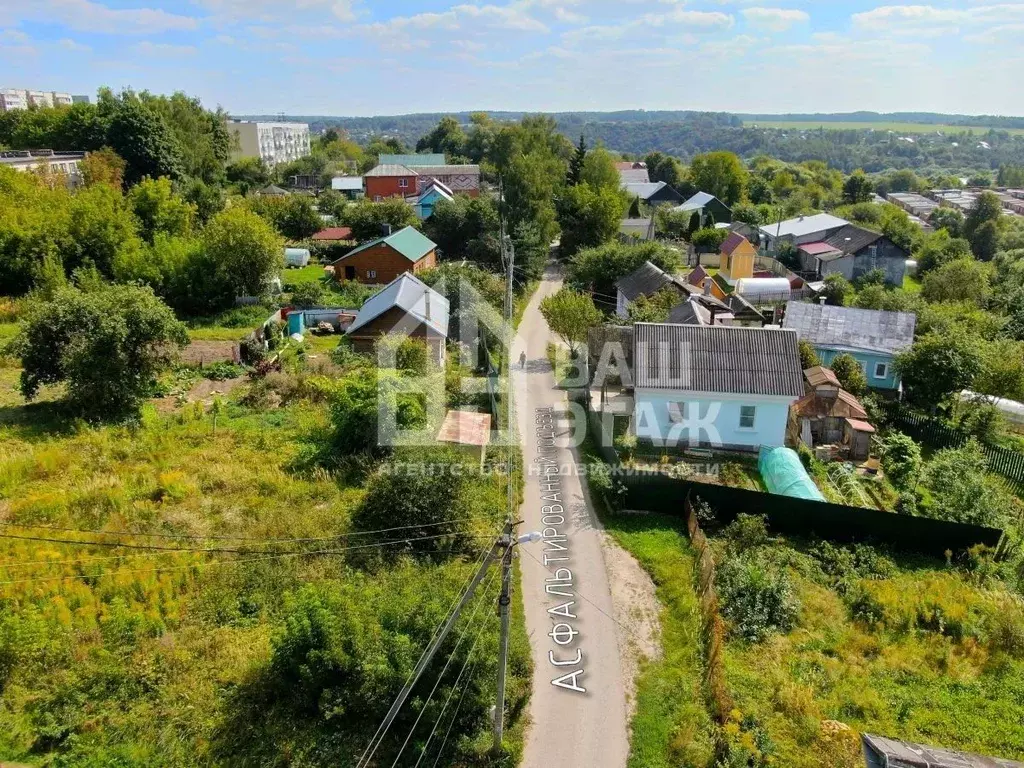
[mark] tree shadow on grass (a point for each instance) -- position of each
(36, 421)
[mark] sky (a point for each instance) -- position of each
(379, 57)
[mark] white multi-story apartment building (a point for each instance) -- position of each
(274, 142)
(34, 159)
(21, 98)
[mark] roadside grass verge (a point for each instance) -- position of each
(671, 726)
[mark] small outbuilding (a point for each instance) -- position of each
(296, 257)
(882, 752)
(469, 431)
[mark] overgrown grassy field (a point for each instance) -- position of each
(115, 656)
(896, 127)
(909, 648)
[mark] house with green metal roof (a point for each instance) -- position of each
(380, 261)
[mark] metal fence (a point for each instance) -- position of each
(937, 434)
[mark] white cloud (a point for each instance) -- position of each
(13, 36)
(89, 16)
(930, 20)
(275, 10)
(775, 19)
(461, 18)
(149, 48)
(72, 45)
(996, 35)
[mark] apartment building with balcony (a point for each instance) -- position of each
(274, 142)
(22, 98)
(34, 159)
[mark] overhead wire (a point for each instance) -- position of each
(451, 657)
(263, 556)
(381, 732)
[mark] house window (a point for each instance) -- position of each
(371, 273)
(403, 183)
(881, 370)
(747, 413)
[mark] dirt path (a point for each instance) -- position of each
(578, 708)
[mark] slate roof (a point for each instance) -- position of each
(408, 241)
(804, 225)
(696, 277)
(869, 330)
(719, 359)
(741, 308)
(413, 161)
(851, 239)
(411, 294)
(390, 169)
(634, 176)
(689, 313)
(893, 753)
(273, 189)
(648, 279)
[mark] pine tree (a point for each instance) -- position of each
(575, 174)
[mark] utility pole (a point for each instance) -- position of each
(504, 603)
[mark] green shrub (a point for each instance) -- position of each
(312, 294)
(901, 460)
(747, 532)
(756, 598)
(222, 371)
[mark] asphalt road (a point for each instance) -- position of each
(568, 727)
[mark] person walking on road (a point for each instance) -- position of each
(522, 359)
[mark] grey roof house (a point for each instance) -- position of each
(852, 252)
(653, 193)
(646, 280)
(716, 386)
(873, 337)
(800, 230)
(709, 207)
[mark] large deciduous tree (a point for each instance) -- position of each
(570, 315)
(980, 226)
(589, 216)
(145, 141)
(857, 188)
(938, 366)
(721, 174)
(159, 209)
(107, 345)
(366, 218)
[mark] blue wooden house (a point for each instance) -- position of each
(717, 386)
(431, 194)
(872, 336)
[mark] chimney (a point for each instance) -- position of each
(426, 302)
(385, 230)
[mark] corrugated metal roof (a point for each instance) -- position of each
(893, 753)
(818, 248)
(643, 190)
(804, 225)
(870, 330)
(411, 294)
(390, 169)
(718, 358)
(334, 233)
(408, 241)
(413, 161)
(696, 202)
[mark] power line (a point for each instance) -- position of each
(385, 725)
(451, 694)
(451, 657)
(198, 537)
(265, 556)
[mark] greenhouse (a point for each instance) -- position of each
(784, 474)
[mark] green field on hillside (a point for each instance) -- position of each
(879, 126)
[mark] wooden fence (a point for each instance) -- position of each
(937, 434)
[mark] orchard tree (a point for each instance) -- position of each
(597, 269)
(901, 460)
(939, 366)
(243, 252)
(962, 279)
(107, 346)
(836, 290)
(938, 248)
(721, 174)
(850, 373)
(570, 315)
(962, 490)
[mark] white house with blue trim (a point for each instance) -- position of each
(872, 336)
(723, 387)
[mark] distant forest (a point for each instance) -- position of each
(686, 133)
